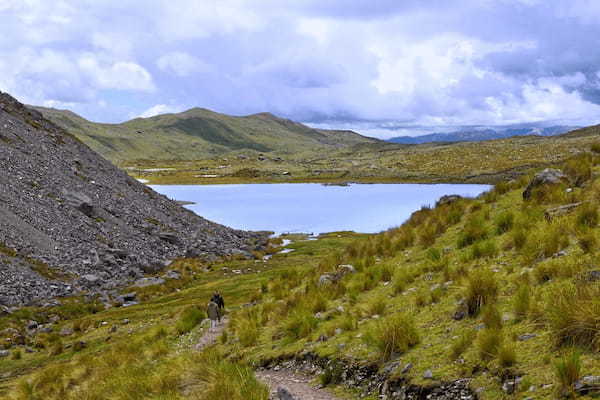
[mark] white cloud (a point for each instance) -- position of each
(121, 75)
(182, 64)
(159, 109)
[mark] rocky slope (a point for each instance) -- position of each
(70, 221)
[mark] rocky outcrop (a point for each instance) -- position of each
(549, 176)
(70, 221)
(373, 381)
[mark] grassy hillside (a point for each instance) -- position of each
(199, 133)
(500, 290)
(481, 162)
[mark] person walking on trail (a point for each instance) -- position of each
(218, 299)
(213, 313)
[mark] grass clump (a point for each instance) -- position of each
(473, 231)
(394, 335)
(481, 290)
(507, 355)
(573, 313)
(489, 342)
(227, 381)
(504, 222)
(189, 319)
(522, 301)
(300, 324)
(587, 217)
(484, 249)
(568, 371)
(460, 345)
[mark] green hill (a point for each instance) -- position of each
(199, 133)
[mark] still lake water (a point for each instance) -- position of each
(312, 207)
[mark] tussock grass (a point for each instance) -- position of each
(507, 355)
(460, 345)
(393, 335)
(489, 342)
(226, 381)
(190, 318)
(568, 371)
(573, 313)
(481, 290)
(473, 231)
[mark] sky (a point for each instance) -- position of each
(382, 67)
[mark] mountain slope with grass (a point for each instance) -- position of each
(199, 133)
(488, 298)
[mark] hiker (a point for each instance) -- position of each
(218, 299)
(213, 313)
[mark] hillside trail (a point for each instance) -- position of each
(287, 385)
(211, 335)
(283, 384)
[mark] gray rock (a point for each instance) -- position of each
(428, 374)
(284, 394)
(447, 199)
(549, 176)
(407, 368)
(4, 353)
(526, 336)
(148, 282)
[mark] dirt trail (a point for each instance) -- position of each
(288, 385)
(211, 335)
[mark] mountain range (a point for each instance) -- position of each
(476, 135)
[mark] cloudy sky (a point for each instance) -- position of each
(375, 65)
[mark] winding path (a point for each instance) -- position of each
(211, 335)
(287, 385)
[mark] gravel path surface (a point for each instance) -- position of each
(287, 385)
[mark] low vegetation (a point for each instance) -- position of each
(486, 288)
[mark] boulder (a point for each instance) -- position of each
(4, 353)
(549, 176)
(284, 394)
(326, 279)
(447, 199)
(79, 201)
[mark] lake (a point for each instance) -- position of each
(312, 207)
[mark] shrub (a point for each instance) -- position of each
(489, 343)
(595, 148)
(504, 222)
(189, 319)
(427, 235)
(460, 345)
(587, 217)
(507, 356)
(482, 289)
(568, 371)
(573, 313)
(394, 335)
